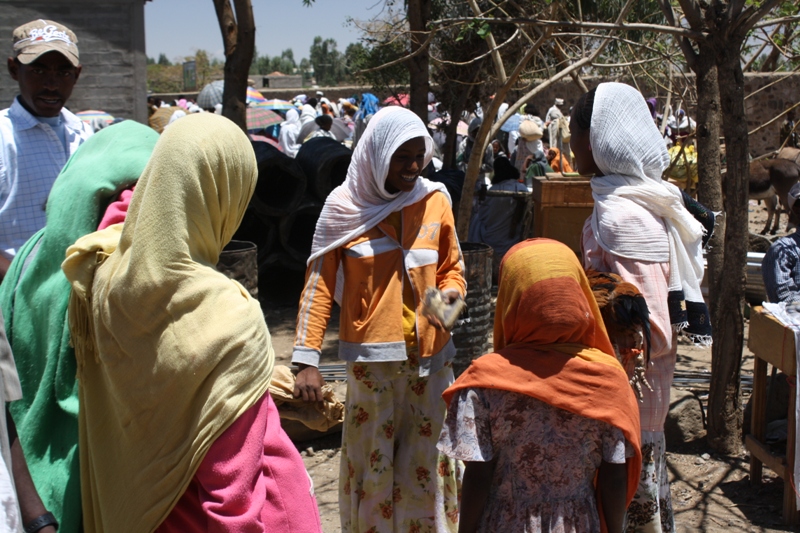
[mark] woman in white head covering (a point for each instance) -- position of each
(288, 136)
(385, 236)
(642, 230)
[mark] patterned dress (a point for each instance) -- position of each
(392, 477)
(546, 459)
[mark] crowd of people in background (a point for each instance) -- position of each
(134, 376)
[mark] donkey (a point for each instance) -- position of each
(770, 180)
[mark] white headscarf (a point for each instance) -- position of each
(307, 114)
(175, 116)
(361, 202)
(502, 110)
(633, 205)
(290, 128)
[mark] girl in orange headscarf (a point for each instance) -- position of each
(548, 425)
(558, 162)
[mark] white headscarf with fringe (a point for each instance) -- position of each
(361, 202)
(629, 150)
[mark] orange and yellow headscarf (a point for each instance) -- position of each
(551, 344)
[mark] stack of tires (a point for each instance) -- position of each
(283, 212)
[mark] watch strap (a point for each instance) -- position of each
(40, 522)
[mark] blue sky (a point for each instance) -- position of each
(178, 28)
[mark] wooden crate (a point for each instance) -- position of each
(561, 206)
(772, 343)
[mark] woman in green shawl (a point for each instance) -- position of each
(34, 297)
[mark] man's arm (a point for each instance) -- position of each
(4, 264)
(30, 504)
(777, 269)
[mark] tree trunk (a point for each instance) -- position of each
(419, 14)
(709, 187)
(457, 106)
(724, 402)
(239, 38)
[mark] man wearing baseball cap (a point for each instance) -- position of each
(37, 135)
(781, 264)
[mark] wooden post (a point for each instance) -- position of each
(757, 423)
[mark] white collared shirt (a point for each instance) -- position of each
(31, 157)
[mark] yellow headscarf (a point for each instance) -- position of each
(170, 352)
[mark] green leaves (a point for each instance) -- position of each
(480, 28)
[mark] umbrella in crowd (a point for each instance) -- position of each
(91, 115)
(276, 104)
(211, 95)
(307, 129)
(340, 130)
(512, 124)
(254, 96)
(262, 138)
(401, 99)
(442, 123)
(259, 117)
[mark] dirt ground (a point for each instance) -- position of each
(710, 493)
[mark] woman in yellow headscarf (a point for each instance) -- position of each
(548, 425)
(177, 430)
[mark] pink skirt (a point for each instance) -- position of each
(251, 480)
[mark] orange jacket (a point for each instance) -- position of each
(371, 320)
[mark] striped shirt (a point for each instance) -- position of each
(31, 157)
(781, 269)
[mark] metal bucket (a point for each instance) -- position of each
(755, 292)
(472, 332)
(239, 261)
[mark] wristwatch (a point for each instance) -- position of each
(40, 522)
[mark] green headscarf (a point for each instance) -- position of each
(34, 297)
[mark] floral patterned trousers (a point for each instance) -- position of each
(392, 477)
(651, 508)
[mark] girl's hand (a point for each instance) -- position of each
(449, 296)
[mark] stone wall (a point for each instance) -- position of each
(111, 44)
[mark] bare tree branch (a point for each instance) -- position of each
(684, 42)
(423, 47)
(782, 20)
(684, 32)
(692, 12)
(763, 47)
(627, 63)
(480, 57)
(770, 84)
(734, 10)
(746, 23)
(774, 119)
(666, 57)
(778, 47)
(557, 48)
(498, 61)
